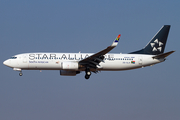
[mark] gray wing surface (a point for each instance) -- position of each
(94, 60)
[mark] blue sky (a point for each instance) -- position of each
(88, 26)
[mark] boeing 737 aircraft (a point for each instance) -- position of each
(71, 64)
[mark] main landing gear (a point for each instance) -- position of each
(88, 73)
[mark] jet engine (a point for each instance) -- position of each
(70, 65)
(69, 73)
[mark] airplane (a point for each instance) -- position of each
(71, 64)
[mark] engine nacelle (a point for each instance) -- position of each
(70, 65)
(68, 73)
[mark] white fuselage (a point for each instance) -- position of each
(71, 64)
(53, 61)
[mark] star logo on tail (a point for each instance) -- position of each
(156, 45)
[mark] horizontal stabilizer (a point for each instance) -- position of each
(163, 55)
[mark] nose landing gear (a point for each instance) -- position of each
(20, 74)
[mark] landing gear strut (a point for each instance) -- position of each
(88, 73)
(20, 74)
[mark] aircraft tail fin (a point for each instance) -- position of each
(157, 44)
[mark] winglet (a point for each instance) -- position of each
(116, 41)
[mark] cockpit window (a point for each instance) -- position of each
(13, 57)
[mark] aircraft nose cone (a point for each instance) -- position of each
(6, 62)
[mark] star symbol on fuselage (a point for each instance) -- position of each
(156, 45)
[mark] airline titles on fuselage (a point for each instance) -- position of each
(54, 56)
(69, 56)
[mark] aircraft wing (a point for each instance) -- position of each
(94, 60)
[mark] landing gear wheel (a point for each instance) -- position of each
(20, 74)
(87, 76)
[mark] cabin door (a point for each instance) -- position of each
(140, 60)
